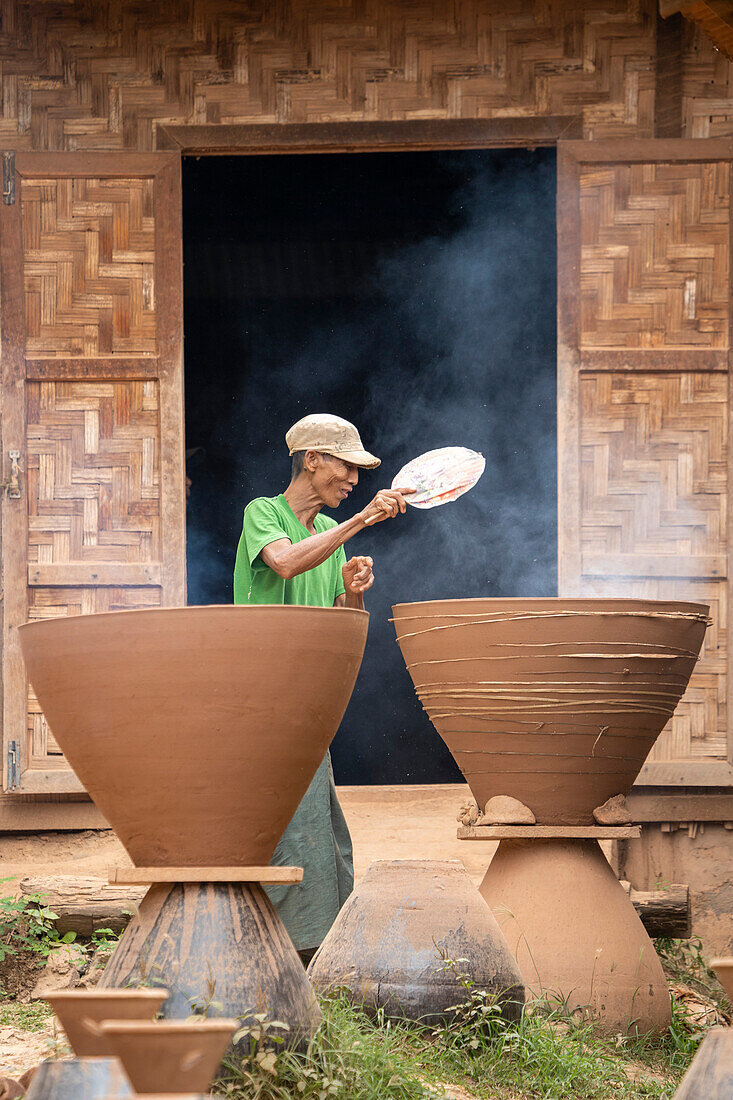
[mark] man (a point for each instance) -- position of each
(289, 553)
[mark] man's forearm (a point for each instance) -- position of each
(313, 551)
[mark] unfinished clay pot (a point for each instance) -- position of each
(228, 939)
(80, 1012)
(724, 973)
(391, 944)
(196, 730)
(79, 1079)
(575, 935)
(170, 1056)
(555, 702)
(710, 1076)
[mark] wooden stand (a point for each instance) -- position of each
(571, 926)
(212, 937)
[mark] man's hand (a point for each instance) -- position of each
(358, 576)
(386, 504)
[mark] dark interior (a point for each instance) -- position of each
(413, 293)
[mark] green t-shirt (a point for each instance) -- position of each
(267, 519)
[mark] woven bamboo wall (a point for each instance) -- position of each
(104, 75)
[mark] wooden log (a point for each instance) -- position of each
(84, 905)
(663, 912)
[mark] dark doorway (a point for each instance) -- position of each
(413, 293)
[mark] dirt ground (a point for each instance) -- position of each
(405, 822)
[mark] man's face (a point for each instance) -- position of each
(333, 479)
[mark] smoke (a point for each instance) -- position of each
(441, 331)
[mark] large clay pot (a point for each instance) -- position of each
(390, 945)
(197, 730)
(575, 935)
(170, 1057)
(79, 1079)
(82, 1010)
(556, 702)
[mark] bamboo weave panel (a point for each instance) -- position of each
(88, 255)
(103, 75)
(707, 89)
(653, 474)
(93, 472)
(655, 255)
(53, 603)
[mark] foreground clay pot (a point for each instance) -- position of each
(196, 730)
(170, 1056)
(575, 935)
(710, 1076)
(81, 1011)
(79, 1079)
(555, 702)
(390, 945)
(230, 939)
(724, 973)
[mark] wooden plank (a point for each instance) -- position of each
(358, 136)
(57, 165)
(129, 876)
(651, 151)
(169, 278)
(650, 565)
(19, 813)
(691, 773)
(95, 574)
(645, 806)
(548, 832)
(60, 780)
(73, 370)
(568, 402)
(13, 513)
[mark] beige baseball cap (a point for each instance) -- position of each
(330, 435)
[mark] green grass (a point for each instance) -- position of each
(30, 1017)
(544, 1056)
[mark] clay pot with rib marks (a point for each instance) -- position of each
(555, 702)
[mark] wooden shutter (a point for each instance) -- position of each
(644, 382)
(93, 519)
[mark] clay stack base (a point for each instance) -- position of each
(573, 931)
(391, 946)
(79, 1079)
(216, 942)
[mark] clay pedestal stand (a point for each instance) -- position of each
(95, 1073)
(197, 732)
(390, 945)
(571, 926)
(710, 1077)
(557, 703)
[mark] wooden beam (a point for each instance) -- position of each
(668, 77)
(134, 875)
(714, 17)
(548, 832)
(355, 137)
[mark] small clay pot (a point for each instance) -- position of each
(724, 973)
(554, 702)
(196, 730)
(405, 938)
(79, 1079)
(710, 1076)
(81, 1010)
(170, 1056)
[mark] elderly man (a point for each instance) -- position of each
(289, 553)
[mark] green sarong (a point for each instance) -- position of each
(317, 838)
